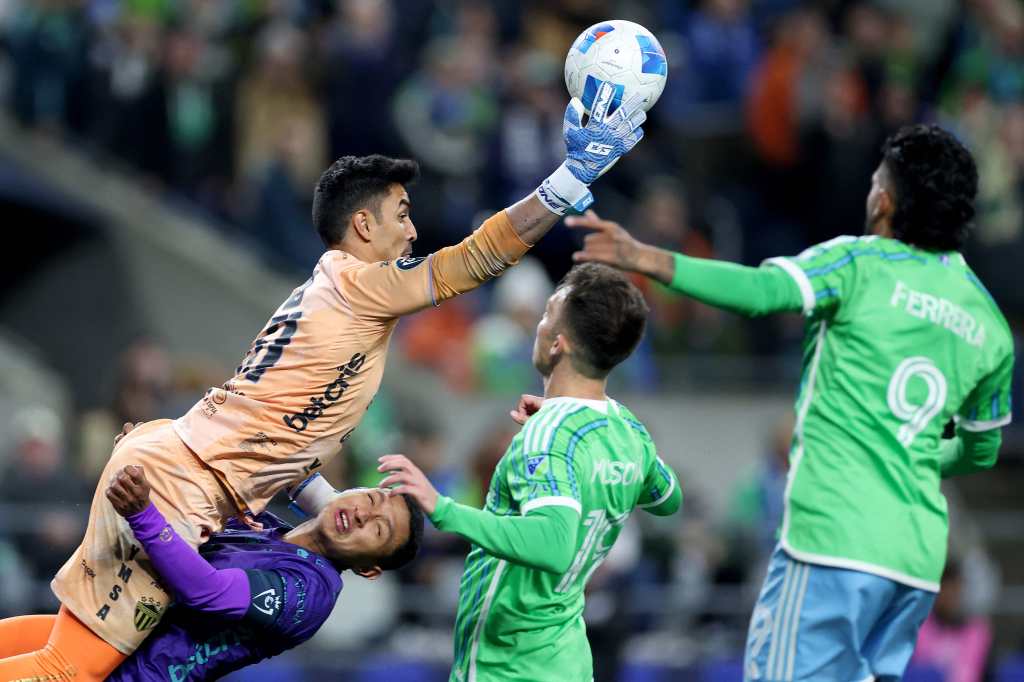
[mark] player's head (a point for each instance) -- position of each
(593, 321)
(361, 202)
(370, 530)
(923, 191)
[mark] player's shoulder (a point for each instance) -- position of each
(840, 245)
(988, 303)
(311, 586)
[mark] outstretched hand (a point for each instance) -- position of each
(594, 148)
(128, 490)
(608, 243)
(406, 478)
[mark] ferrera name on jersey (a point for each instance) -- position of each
(938, 311)
(332, 394)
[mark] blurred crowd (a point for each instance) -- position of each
(762, 143)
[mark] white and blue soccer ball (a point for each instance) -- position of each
(619, 52)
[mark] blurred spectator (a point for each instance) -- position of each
(362, 67)
(781, 84)
(721, 49)
(142, 392)
(757, 504)
(37, 471)
(950, 639)
(662, 218)
(278, 109)
(502, 340)
(48, 41)
(441, 339)
(195, 101)
(280, 219)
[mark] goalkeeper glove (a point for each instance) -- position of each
(592, 149)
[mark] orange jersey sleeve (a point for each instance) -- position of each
(313, 370)
(392, 289)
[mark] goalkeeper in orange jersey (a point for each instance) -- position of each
(303, 386)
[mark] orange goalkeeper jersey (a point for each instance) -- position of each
(312, 372)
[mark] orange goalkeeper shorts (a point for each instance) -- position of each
(109, 583)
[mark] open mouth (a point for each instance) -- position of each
(342, 521)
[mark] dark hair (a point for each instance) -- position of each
(411, 547)
(353, 183)
(935, 181)
(604, 315)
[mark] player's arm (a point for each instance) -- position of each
(228, 592)
(311, 495)
(409, 284)
(662, 494)
(979, 422)
(813, 282)
(544, 537)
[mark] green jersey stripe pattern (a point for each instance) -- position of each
(899, 341)
(515, 622)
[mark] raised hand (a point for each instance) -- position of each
(591, 149)
(608, 242)
(404, 477)
(528, 406)
(611, 244)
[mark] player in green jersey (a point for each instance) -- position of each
(559, 496)
(901, 338)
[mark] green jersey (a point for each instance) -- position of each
(594, 459)
(899, 341)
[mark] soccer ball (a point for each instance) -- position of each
(622, 53)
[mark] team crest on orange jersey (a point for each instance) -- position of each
(147, 613)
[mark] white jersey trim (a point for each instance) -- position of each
(491, 589)
(798, 429)
(976, 426)
(801, 279)
(668, 494)
(553, 501)
(862, 566)
(599, 405)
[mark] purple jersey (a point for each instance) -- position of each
(292, 592)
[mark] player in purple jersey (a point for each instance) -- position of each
(268, 590)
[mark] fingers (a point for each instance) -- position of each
(518, 417)
(602, 102)
(136, 473)
(634, 104)
(393, 481)
(590, 221)
(573, 115)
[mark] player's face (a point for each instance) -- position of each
(363, 525)
(879, 205)
(394, 233)
(547, 346)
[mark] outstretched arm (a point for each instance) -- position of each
(737, 288)
(194, 582)
(507, 235)
(544, 539)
